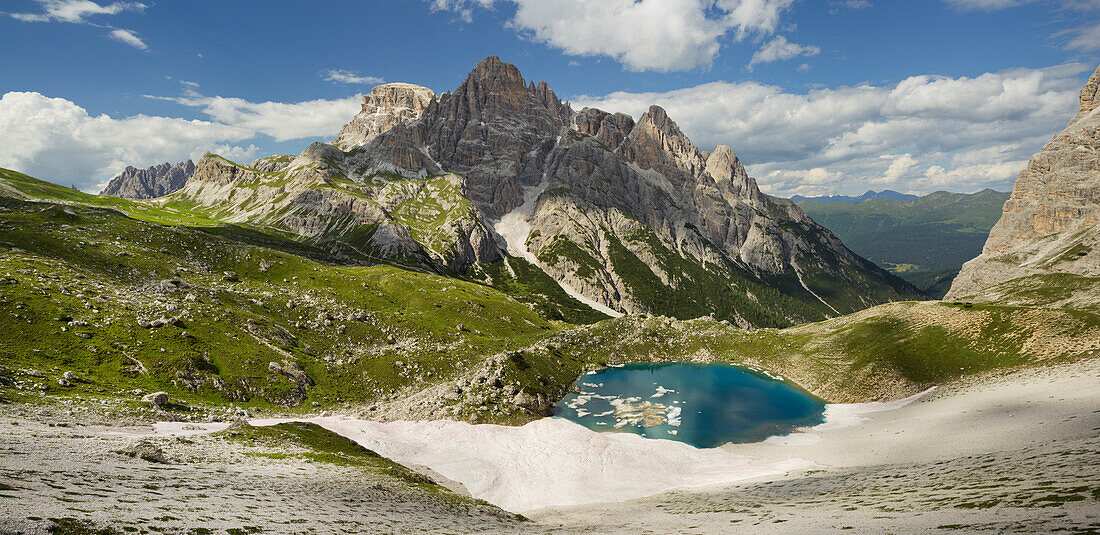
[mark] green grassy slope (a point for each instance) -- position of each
(77, 284)
(922, 240)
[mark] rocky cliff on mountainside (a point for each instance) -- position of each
(1051, 223)
(420, 223)
(628, 217)
(156, 181)
(387, 106)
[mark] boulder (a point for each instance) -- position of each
(156, 398)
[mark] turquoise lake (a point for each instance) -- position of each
(705, 405)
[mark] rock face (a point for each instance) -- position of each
(626, 216)
(1050, 223)
(387, 106)
(496, 131)
(156, 181)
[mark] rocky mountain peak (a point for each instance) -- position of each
(156, 181)
(729, 174)
(657, 142)
(609, 129)
(495, 130)
(1090, 97)
(387, 106)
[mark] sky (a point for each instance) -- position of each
(815, 96)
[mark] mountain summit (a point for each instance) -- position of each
(499, 180)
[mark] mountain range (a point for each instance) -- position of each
(499, 180)
(925, 240)
(156, 181)
(868, 195)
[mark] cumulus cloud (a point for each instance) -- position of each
(659, 35)
(57, 140)
(920, 134)
(343, 76)
(130, 38)
(779, 49)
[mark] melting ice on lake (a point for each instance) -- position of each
(705, 405)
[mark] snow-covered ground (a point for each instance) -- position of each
(554, 462)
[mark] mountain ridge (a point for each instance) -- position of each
(156, 181)
(868, 195)
(629, 217)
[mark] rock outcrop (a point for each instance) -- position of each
(156, 181)
(387, 106)
(1051, 223)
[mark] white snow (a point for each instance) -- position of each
(555, 462)
(515, 227)
(842, 415)
(551, 462)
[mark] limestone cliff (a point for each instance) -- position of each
(387, 106)
(150, 183)
(1050, 223)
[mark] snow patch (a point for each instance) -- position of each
(842, 415)
(515, 227)
(551, 462)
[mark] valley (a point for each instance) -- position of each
(372, 335)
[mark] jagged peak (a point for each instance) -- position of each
(727, 171)
(1090, 96)
(493, 72)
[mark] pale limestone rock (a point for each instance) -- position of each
(388, 105)
(1051, 223)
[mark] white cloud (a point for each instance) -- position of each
(462, 8)
(1087, 38)
(779, 49)
(836, 5)
(280, 120)
(130, 38)
(659, 35)
(54, 139)
(75, 11)
(343, 76)
(922, 133)
(79, 11)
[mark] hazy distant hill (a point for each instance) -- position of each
(925, 240)
(870, 194)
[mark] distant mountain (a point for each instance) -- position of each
(1050, 227)
(156, 181)
(870, 194)
(925, 240)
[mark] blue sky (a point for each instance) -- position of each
(815, 96)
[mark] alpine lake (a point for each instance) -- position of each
(705, 405)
